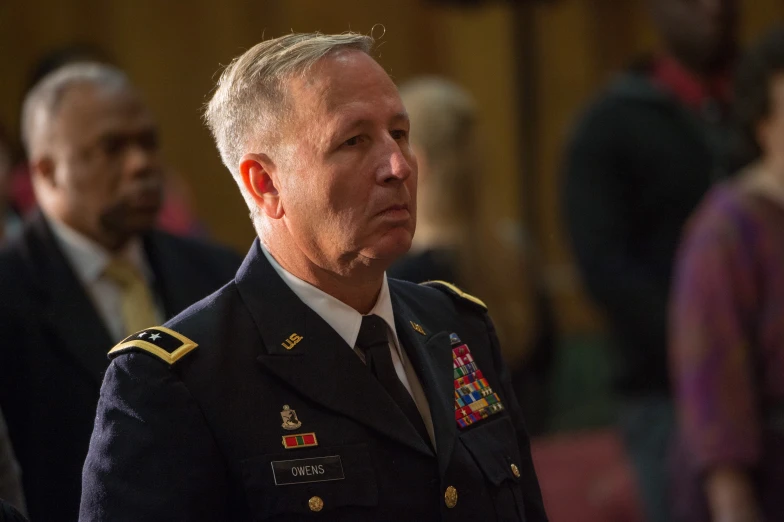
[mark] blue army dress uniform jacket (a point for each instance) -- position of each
(192, 423)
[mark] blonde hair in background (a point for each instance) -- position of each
(443, 122)
(444, 132)
(250, 105)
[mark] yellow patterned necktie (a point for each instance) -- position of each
(138, 306)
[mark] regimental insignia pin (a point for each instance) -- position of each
(290, 420)
(292, 341)
(304, 440)
(417, 328)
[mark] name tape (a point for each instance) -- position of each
(303, 471)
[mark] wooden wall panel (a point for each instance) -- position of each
(478, 50)
(173, 49)
(566, 79)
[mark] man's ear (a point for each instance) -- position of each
(42, 170)
(763, 135)
(258, 177)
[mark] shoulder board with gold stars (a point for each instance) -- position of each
(159, 341)
(455, 292)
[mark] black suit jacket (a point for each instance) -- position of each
(197, 438)
(53, 347)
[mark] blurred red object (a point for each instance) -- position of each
(20, 193)
(586, 477)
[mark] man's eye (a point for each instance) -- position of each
(399, 134)
(113, 145)
(149, 141)
(351, 142)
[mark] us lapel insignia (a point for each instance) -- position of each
(474, 398)
(304, 440)
(417, 328)
(292, 341)
(290, 420)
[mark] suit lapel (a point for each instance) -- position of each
(174, 281)
(431, 354)
(306, 354)
(66, 308)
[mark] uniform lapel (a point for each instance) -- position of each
(306, 354)
(431, 354)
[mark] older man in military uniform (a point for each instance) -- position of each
(311, 385)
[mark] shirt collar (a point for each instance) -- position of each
(690, 90)
(342, 318)
(89, 259)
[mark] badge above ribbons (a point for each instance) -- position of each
(290, 420)
(474, 398)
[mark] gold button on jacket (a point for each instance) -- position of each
(450, 497)
(315, 504)
(515, 470)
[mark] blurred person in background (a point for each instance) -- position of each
(9, 513)
(21, 192)
(176, 215)
(727, 332)
(443, 136)
(453, 244)
(638, 163)
(86, 271)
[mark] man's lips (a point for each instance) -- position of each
(395, 212)
(146, 198)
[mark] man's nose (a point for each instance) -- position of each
(716, 8)
(140, 160)
(397, 165)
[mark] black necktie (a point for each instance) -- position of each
(372, 340)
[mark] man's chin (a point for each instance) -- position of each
(142, 221)
(132, 222)
(392, 246)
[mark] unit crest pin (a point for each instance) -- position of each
(290, 420)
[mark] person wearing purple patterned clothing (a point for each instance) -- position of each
(727, 332)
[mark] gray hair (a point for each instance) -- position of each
(43, 100)
(250, 98)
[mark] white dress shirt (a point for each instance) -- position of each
(89, 260)
(346, 322)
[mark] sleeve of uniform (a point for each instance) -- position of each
(152, 456)
(532, 495)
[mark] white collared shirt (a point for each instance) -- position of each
(346, 322)
(89, 260)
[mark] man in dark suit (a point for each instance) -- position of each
(85, 272)
(312, 384)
